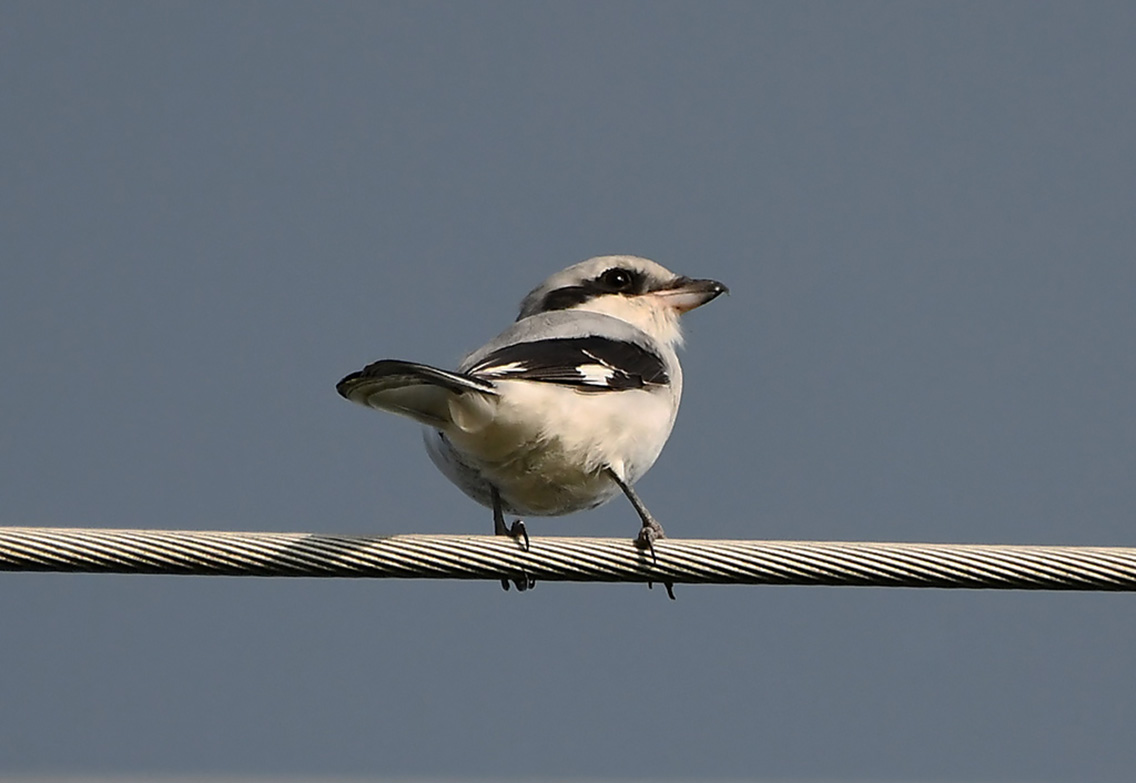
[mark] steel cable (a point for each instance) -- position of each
(564, 559)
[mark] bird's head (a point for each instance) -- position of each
(633, 289)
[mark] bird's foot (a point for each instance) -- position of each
(651, 532)
(517, 531)
(520, 534)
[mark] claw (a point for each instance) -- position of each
(523, 583)
(668, 585)
(518, 530)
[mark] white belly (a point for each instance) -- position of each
(539, 456)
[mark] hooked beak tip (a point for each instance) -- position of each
(685, 294)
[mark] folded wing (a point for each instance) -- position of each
(587, 364)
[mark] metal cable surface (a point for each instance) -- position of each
(563, 559)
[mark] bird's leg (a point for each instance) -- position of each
(651, 531)
(517, 532)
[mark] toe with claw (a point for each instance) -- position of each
(519, 533)
(651, 532)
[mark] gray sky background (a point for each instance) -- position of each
(211, 212)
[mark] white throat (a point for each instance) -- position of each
(645, 312)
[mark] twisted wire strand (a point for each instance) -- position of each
(564, 559)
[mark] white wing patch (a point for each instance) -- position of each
(510, 368)
(595, 374)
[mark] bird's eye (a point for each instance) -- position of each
(616, 279)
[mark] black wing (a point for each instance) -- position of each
(593, 364)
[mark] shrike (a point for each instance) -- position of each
(566, 408)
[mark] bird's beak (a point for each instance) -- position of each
(684, 294)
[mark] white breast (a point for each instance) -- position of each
(545, 446)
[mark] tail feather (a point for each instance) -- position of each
(419, 391)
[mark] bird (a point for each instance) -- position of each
(565, 409)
